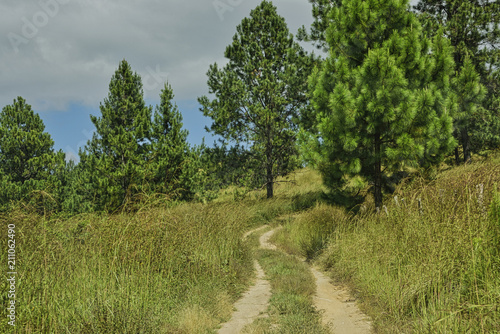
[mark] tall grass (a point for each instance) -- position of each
(428, 262)
(138, 273)
(159, 269)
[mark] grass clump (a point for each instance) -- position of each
(291, 309)
(307, 233)
(428, 262)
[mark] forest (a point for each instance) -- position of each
(396, 92)
(403, 103)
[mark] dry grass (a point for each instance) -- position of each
(143, 272)
(430, 264)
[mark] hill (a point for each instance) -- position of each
(427, 262)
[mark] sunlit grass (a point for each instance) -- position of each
(159, 269)
(291, 308)
(427, 263)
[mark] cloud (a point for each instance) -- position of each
(58, 52)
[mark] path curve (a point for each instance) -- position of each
(338, 310)
(264, 239)
(255, 301)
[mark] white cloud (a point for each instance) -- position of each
(69, 49)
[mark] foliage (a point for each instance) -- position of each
(485, 120)
(172, 160)
(229, 166)
(469, 94)
(473, 27)
(259, 93)
(382, 95)
(29, 166)
(317, 34)
(132, 156)
(114, 159)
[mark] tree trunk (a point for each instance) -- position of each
(377, 191)
(466, 145)
(457, 156)
(269, 178)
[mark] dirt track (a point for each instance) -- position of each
(254, 302)
(339, 311)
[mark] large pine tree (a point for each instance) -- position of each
(260, 92)
(28, 162)
(381, 95)
(473, 28)
(114, 159)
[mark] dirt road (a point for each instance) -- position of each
(339, 310)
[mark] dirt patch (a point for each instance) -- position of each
(339, 311)
(247, 234)
(264, 239)
(255, 301)
(252, 305)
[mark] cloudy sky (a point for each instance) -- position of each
(60, 54)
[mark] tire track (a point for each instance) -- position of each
(254, 303)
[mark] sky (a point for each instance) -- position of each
(60, 55)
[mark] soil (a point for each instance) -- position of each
(254, 303)
(338, 309)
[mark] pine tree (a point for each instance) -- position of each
(469, 94)
(381, 96)
(473, 27)
(28, 162)
(172, 158)
(260, 92)
(114, 159)
(484, 122)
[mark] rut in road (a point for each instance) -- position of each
(254, 302)
(339, 311)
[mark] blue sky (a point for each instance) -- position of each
(61, 54)
(72, 128)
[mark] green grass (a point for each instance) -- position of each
(432, 268)
(128, 273)
(421, 268)
(292, 285)
(174, 269)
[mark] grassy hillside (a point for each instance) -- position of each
(427, 263)
(431, 267)
(160, 270)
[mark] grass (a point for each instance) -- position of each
(171, 269)
(292, 285)
(429, 263)
(129, 273)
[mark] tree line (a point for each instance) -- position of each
(399, 89)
